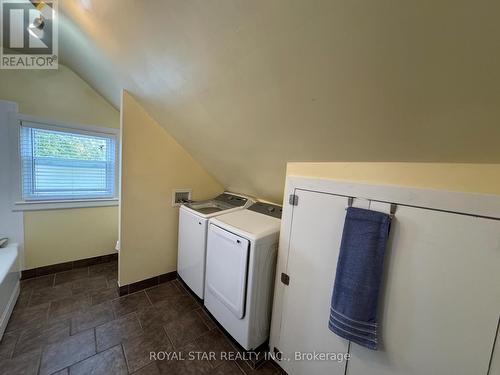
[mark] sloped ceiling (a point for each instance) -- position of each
(247, 85)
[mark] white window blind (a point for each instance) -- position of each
(66, 164)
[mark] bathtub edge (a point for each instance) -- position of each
(10, 307)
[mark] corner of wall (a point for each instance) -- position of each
(153, 164)
(55, 236)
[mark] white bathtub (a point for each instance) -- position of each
(9, 283)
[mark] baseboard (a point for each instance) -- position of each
(147, 283)
(67, 266)
(8, 311)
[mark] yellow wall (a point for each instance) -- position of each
(55, 236)
(479, 178)
(153, 164)
(57, 94)
(63, 235)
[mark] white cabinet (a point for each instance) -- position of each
(313, 252)
(441, 303)
(440, 300)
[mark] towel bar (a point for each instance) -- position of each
(394, 206)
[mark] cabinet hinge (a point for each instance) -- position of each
(285, 279)
(293, 200)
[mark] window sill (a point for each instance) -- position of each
(62, 204)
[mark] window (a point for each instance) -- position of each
(65, 164)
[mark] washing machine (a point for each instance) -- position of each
(193, 224)
(241, 262)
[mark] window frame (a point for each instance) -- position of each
(18, 204)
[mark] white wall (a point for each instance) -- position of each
(11, 223)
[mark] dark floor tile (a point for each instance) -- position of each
(185, 328)
(227, 368)
(266, 368)
(8, 344)
(28, 316)
(214, 341)
(165, 311)
(180, 285)
(196, 366)
(176, 306)
(185, 290)
(26, 364)
(206, 319)
(49, 294)
(64, 353)
(138, 349)
(112, 277)
(152, 318)
(38, 327)
(89, 284)
(113, 284)
(24, 298)
(130, 303)
(99, 296)
(38, 282)
(114, 332)
(162, 292)
(92, 317)
(85, 302)
(103, 268)
(257, 359)
(73, 275)
(66, 306)
(109, 362)
(151, 369)
(31, 340)
(62, 372)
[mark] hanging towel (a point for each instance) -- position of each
(353, 312)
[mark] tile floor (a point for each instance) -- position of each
(73, 322)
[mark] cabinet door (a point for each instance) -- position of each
(440, 303)
(313, 251)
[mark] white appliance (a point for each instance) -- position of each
(241, 261)
(193, 223)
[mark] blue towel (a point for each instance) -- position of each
(353, 313)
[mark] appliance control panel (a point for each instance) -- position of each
(267, 209)
(231, 199)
